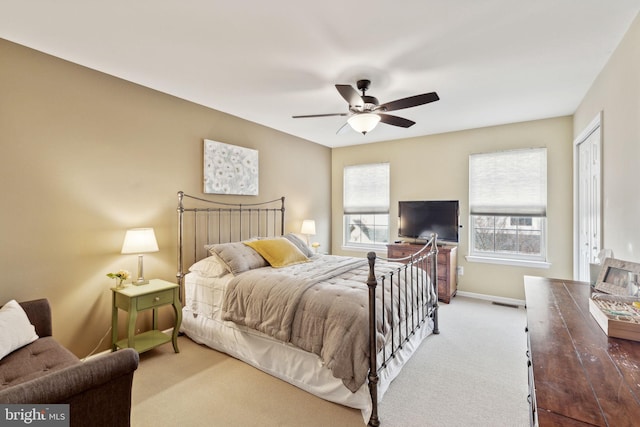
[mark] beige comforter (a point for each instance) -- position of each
(319, 306)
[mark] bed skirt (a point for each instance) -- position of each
(293, 365)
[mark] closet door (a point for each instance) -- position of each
(588, 202)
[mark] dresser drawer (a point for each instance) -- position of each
(401, 253)
(155, 300)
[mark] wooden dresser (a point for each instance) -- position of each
(447, 265)
(577, 375)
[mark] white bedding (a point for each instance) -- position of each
(202, 322)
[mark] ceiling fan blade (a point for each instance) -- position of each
(396, 121)
(343, 129)
(350, 95)
(319, 115)
(412, 101)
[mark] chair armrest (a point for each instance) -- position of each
(98, 390)
(39, 314)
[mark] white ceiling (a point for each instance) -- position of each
(491, 62)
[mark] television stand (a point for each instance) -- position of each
(447, 265)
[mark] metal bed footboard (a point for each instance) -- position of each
(418, 281)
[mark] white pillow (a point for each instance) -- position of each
(15, 329)
(210, 267)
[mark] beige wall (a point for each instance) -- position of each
(616, 93)
(437, 167)
(84, 156)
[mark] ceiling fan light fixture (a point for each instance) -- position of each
(363, 122)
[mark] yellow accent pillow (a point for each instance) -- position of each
(278, 252)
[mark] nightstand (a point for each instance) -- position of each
(134, 299)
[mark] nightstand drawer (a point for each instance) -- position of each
(154, 300)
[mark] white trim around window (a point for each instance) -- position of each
(508, 261)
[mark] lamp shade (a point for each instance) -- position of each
(139, 241)
(308, 227)
(363, 122)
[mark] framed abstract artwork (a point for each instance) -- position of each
(230, 169)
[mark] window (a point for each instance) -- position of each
(508, 204)
(366, 205)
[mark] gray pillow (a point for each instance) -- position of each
(238, 257)
(300, 244)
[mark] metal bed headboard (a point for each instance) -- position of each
(206, 222)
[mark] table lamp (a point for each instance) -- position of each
(140, 241)
(308, 228)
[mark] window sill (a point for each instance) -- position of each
(507, 261)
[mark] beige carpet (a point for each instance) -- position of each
(472, 374)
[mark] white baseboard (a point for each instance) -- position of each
(492, 298)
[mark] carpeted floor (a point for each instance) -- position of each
(472, 374)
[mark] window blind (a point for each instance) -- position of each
(512, 183)
(366, 189)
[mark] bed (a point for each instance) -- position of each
(338, 327)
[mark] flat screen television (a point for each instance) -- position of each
(418, 219)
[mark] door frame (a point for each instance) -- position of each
(586, 132)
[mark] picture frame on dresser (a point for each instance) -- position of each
(618, 277)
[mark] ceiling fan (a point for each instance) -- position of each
(365, 111)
